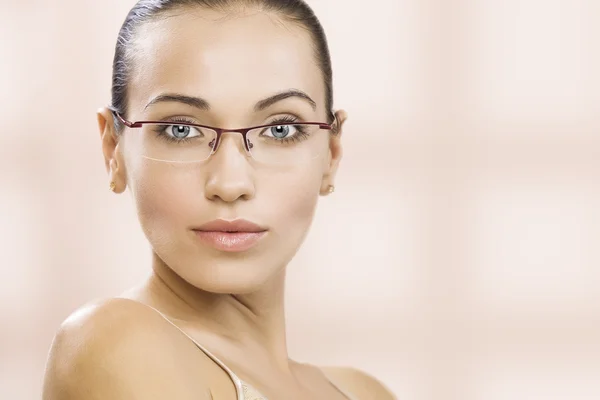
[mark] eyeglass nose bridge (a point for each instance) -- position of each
(242, 131)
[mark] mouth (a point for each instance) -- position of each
(230, 236)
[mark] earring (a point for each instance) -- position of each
(112, 186)
(331, 189)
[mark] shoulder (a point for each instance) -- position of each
(105, 327)
(357, 383)
(108, 349)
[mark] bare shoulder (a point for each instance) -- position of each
(357, 383)
(116, 349)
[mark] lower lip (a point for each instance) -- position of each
(230, 241)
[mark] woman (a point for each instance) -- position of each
(223, 209)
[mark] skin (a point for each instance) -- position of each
(232, 303)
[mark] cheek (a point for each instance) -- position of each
(292, 198)
(166, 198)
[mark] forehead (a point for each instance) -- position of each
(231, 60)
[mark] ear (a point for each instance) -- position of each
(335, 153)
(113, 159)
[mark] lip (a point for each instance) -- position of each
(238, 225)
(230, 236)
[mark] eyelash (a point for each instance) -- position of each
(288, 119)
(160, 130)
(184, 120)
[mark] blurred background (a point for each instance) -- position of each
(465, 224)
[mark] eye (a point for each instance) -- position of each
(181, 131)
(281, 131)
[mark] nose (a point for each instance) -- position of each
(230, 176)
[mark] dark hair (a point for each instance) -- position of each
(147, 10)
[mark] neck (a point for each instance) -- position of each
(252, 323)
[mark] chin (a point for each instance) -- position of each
(226, 281)
(226, 274)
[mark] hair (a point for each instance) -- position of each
(296, 11)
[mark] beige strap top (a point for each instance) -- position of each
(244, 391)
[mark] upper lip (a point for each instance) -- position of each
(238, 225)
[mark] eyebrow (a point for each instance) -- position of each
(203, 105)
(196, 102)
(269, 101)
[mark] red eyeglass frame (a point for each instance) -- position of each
(220, 131)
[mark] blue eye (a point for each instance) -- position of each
(179, 131)
(280, 131)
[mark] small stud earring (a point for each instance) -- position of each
(331, 189)
(112, 186)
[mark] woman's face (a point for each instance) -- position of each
(231, 62)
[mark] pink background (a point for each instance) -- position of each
(455, 259)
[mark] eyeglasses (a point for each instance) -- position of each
(281, 142)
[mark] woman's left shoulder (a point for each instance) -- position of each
(358, 383)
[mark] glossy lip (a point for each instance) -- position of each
(238, 225)
(230, 236)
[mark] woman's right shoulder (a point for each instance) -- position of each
(104, 326)
(107, 314)
(116, 348)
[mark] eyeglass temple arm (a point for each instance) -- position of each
(123, 121)
(334, 125)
